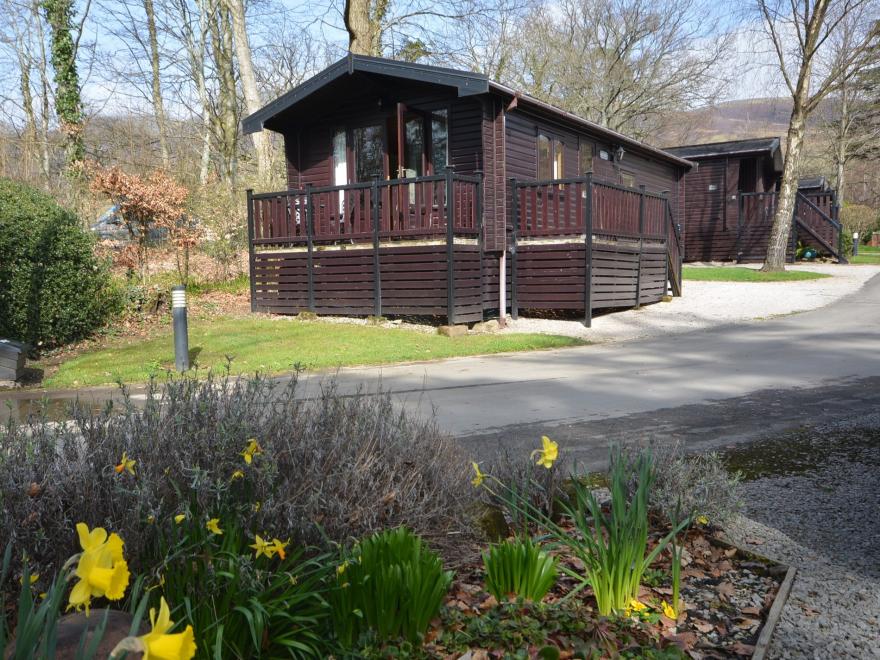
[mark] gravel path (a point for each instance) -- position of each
(816, 505)
(706, 304)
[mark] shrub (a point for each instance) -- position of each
(519, 567)
(523, 480)
(392, 585)
(52, 288)
(330, 468)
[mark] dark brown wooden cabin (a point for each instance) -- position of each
(712, 208)
(415, 189)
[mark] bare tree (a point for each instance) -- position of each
(156, 82)
(799, 31)
(625, 64)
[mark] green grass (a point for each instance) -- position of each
(867, 255)
(740, 274)
(275, 345)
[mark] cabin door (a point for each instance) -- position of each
(407, 155)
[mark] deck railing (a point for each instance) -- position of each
(558, 207)
(401, 208)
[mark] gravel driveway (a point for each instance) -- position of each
(707, 304)
(814, 502)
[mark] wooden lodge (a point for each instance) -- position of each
(731, 201)
(418, 190)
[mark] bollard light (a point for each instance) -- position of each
(855, 243)
(181, 332)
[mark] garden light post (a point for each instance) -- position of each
(855, 243)
(181, 333)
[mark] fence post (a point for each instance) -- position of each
(588, 251)
(478, 210)
(310, 234)
(739, 226)
(641, 233)
(450, 247)
(835, 215)
(251, 254)
(667, 221)
(514, 307)
(377, 276)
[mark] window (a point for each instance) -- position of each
(413, 147)
(627, 179)
(585, 158)
(340, 164)
(369, 154)
(439, 140)
(551, 158)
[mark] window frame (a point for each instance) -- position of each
(555, 165)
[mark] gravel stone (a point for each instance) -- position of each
(822, 516)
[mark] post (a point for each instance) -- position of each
(666, 223)
(514, 308)
(855, 243)
(478, 210)
(835, 215)
(588, 251)
(450, 247)
(181, 331)
(641, 233)
(739, 226)
(251, 254)
(377, 276)
(310, 236)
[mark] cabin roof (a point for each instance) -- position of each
(466, 83)
(814, 182)
(771, 147)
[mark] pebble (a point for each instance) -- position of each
(826, 522)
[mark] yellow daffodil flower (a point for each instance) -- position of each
(262, 547)
(703, 520)
(125, 464)
(669, 611)
(31, 579)
(158, 644)
(213, 526)
(179, 518)
(635, 606)
(238, 474)
(257, 506)
(341, 568)
(548, 452)
(99, 575)
(253, 448)
(477, 481)
(278, 547)
(96, 539)
(151, 519)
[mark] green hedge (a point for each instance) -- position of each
(53, 289)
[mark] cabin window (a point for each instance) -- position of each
(413, 147)
(440, 140)
(340, 163)
(585, 158)
(369, 152)
(627, 179)
(551, 157)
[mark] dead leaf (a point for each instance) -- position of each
(743, 649)
(754, 611)
(703, 626)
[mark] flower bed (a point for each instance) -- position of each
(216, 544)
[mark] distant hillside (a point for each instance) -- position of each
(731, 120)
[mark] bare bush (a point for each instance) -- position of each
(331, 468)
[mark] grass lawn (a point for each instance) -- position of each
(740, 274)
(275, 345)
(867, 255)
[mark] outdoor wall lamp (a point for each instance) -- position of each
(618, 154)
(855, 243)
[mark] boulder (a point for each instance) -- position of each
(452, 330)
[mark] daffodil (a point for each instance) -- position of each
(477, 481)
(159, 644)
(341, 568)
(252, 449)
(548, 452)
(179, 518)
(262, 547)
(101, 569)
(213, 526)
(125, 464)
(635, 606)
(278, 547)
(31, 578)
(238, 474)
(669, 611)
(257, 506)
(703, 520)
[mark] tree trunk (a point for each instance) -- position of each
(227, 121)
(787, 196)
(842, 155)
(249, 84)
(363, 20)
(68, 102)
(45, 107)
(158, 105)
(27, 100)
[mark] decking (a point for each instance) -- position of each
(416, 247)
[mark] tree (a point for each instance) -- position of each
(625, 64)
(68, 101)
(799, 32)
(363, 21)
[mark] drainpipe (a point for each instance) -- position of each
(502, 288)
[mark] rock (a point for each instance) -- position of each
(493, 524)
(666, 299)
(306, 316)
(72, 627)
(376, 320)
(452, 330)
(486, 326)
